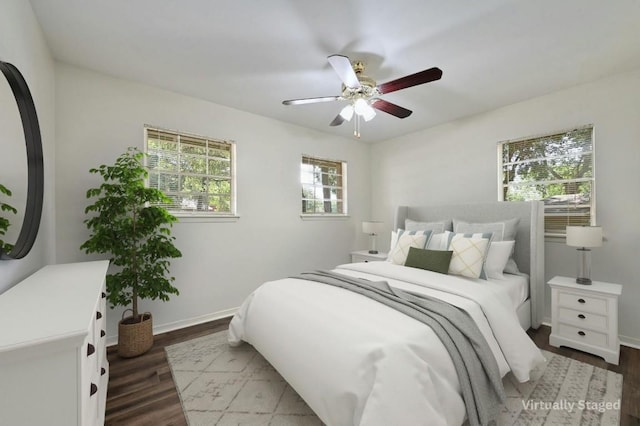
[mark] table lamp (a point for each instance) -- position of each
(373, 229)
(584, 237)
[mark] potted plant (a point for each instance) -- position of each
(130, 225)
(4, 222)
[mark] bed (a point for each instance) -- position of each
(356, 361)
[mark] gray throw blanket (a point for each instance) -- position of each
(477, 369)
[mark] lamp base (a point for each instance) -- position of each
(583, 281)
(373, 251)
(584, 266)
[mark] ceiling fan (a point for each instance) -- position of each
(363, 93)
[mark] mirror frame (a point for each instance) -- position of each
(35, 164)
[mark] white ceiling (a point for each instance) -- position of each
(251, 54)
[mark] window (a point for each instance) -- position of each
(324, 186)
(195, 172)
(557, 169)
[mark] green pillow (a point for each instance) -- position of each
(431, 260)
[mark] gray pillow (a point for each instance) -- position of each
(431, 260)
(504, 230)
(437, 227)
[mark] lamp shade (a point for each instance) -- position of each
(347, 112)
(372, 228)
(584, 236)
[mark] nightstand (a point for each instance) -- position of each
(585, 317)
(365, 256)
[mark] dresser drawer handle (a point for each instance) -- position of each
(102, 333)
(104, 295)
(94, 389)
(90, 349)
(102, 371)
(581, 301)
(98, 315)
(582, 333)
(581, 316)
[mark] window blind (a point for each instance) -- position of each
(196, 173)
(323, 186)
(557, 169)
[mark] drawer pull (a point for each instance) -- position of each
(90, 349)
(582, 333)
(94, 389)
(102, 333)
(102, 371)
(581, 316)
(98, 315)
(104, 295)
(581, 301)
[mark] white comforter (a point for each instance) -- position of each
(358, 362)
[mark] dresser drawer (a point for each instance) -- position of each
(583, 319)
(582, 303)
(585, 336)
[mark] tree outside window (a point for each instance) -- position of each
(195, 172)
(557, 169)
(323, 186)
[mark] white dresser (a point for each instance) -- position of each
(585, 317)
(53, 361)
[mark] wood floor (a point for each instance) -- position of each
(142, 392)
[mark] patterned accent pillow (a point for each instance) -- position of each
(469, 254)
(504, 230)
(404, 241)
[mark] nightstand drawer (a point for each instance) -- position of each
(583, 319)
(588, 337)
(582, 303)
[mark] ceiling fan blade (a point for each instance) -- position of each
(342, 65)
(337, 121)
(389, 108)
(311, 100)
(421, 77)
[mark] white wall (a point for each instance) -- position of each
(457, 161)
(22, 44)
(98, 117)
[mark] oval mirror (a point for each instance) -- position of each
(22, 169)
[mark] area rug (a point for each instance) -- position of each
(222, 385)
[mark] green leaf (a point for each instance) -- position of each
(133, 233)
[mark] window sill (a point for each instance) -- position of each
(324, 216)
(206, 218)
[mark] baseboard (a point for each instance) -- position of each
(164, 328)
(632, 342)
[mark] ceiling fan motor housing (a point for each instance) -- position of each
(367, 87)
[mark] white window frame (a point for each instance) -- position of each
(321, 187)
(553, 212)
(197, 213)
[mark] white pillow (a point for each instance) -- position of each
(438, 241)
(404, 241)
(497, 258)
(469, 253)
(394, 237)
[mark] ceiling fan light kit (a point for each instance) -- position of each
(363, 94)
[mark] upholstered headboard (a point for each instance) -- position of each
(529, 247)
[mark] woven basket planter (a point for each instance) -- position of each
(135, 337)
